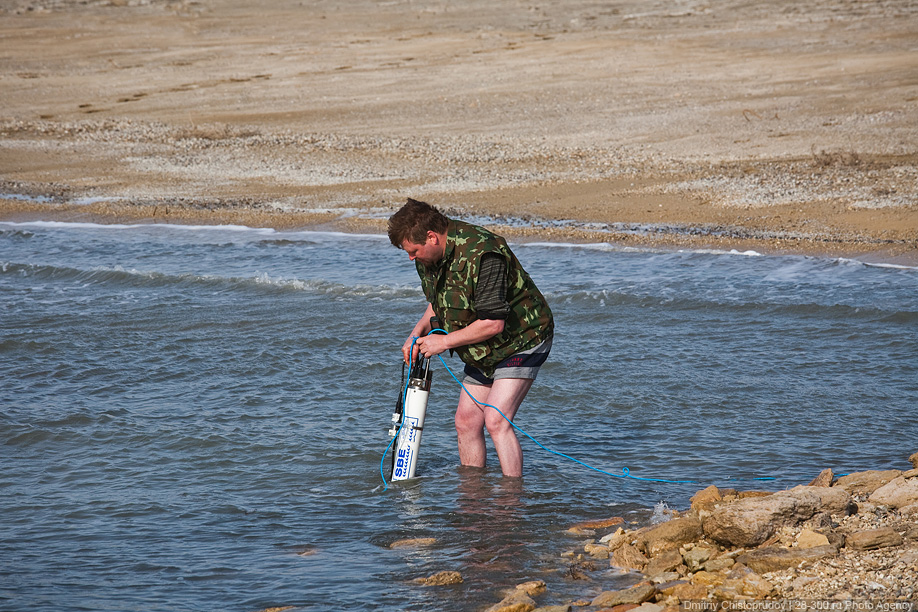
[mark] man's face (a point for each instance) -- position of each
(428, 253)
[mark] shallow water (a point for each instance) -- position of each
(194, 418)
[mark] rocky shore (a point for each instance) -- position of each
(838, 543)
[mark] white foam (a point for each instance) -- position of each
(193, 228)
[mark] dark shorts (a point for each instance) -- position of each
(524, 364)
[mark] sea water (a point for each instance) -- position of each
(195, 418)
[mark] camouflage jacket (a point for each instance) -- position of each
(450, 289)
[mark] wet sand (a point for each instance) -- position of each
(780, 127)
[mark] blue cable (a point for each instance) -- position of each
(626, 473)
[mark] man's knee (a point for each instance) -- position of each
(468, 422)
(496, 423)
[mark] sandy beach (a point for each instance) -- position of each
(780, 127)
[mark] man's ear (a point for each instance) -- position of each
(432, 235)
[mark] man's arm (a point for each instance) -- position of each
(420, 330)
(490, 303)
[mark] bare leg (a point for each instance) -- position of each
(506, 394)
(470, 422)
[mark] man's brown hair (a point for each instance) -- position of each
(413, 221)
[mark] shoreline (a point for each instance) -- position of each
(782, 128)
(23, 208)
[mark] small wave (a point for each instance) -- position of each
(117, 275)
(867, 264)
(17, 234)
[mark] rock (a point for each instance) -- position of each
(810, 539)
(562, 608)
(707, 579)
(580, 531)
(648, 607)
(597, 551)
(687, 591)
(747, 582)
(669, 535)
(637, 594)
(665, 562)
(413, 542)
(751, 521)
(824, 479)
(600, 524)
(441, 578)
(696, 557)
(516, 601)
(776, 558)
(615, 539)
(718, 565)
(913, 459)
(874, 538)
(897, 493)
(865, 483)
(533, 587)
(831, 500)
(822, 520)
(706, 498)
(627, 556)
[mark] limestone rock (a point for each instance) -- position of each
(533, 587)
(637, 594)
(706, 498)
(824, 479)
(776, 558)
(913, 459)
(865, 483)
(561, 608)
(441, 578)
(707, 579)
(615, 539)
(601, 523)
(516, 601)
(831, 500)
(413, 542)
(665, 562)
(747, 582)
(751, 521)
(688, 591)
(874, 538)
(718, 565)
(810, 539)
(697, 557)
(597, 551)
(669, 535)
(628, 556)
(897, 493)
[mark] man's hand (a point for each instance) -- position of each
(432, 345)
(406, 348)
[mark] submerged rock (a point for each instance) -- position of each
(441, 578)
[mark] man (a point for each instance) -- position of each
(495, 318)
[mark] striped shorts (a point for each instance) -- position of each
(524, 364)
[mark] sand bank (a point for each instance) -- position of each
(780, 127)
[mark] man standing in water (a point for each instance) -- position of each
(495, 318)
